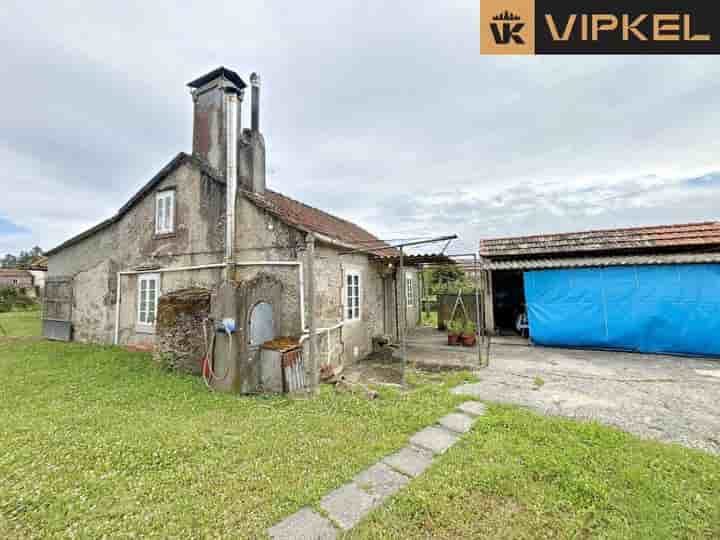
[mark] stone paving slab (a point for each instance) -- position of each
(457, 422)
(380, 481)
(303, 525)
(473, 408)
(435, 439)
(347, 505)
(410, 460)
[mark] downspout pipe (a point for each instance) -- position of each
(231, 123)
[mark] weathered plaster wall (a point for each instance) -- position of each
(393, 290)
(39, 279)
(131, 244)
(261, 236)
(19, 282)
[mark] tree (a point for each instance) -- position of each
(24, 258)
(448, 278)
(9, 261)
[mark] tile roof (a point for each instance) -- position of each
(310, 219)
(694, 236)
(14, 273)
(290, 211)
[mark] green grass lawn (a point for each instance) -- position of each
(20, 323)
(95, 442)
(520, 475)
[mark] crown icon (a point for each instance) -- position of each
(507, 16)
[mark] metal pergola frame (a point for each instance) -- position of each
(426, 261)
(484, 344)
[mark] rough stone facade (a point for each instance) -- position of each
(18, 279)
(130, 244)
(270, 260)
(183, 330)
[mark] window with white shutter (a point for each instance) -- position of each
(352, 296)
(165, 212)
(148, 294)
(410, 290)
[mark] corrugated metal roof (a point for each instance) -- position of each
(419, 258)
(691, 235)
(587, 262)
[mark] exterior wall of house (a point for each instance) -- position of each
(393, 290)
(412, 314)
(131, 244)
(38, 279)
(16, 280)
(263, 237)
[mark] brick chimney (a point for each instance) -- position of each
(251, 149)
(216, 136)
(217, 98)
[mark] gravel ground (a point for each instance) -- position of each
(669, 399)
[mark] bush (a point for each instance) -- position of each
(12, 298)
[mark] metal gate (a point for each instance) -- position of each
(57, 308)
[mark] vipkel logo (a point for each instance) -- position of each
(607, 27)
(506, 28)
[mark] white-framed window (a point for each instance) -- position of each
(353, 296)
(14, 281)
(148, 294)
(165, 212)
(410, 290)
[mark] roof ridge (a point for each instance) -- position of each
(601, 231)
(324, 212)
(179, 159)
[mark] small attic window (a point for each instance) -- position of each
(165, 212)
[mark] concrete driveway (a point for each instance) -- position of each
(665, 398)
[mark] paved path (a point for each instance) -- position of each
(666, 398)
(344, 507)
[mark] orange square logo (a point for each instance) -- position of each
(507, 26)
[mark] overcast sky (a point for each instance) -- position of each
(380, 112)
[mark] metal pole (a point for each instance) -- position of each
(481, 344)
(314, 376)
(403, 299)
(384, 245)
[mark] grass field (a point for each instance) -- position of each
(20, 323)
(519, 475)
(95, 442)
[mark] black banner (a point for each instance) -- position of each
(629, 27)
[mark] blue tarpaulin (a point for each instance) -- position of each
(671, 309)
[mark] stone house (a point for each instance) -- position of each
(38, 269)
(16, 278)
(207, 220)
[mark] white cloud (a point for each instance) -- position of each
(383, 113)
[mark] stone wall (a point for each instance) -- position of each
(182, 330)
(131, 243)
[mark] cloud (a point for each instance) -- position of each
(381, 113)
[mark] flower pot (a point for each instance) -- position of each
(468, 340)
(453, 339)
